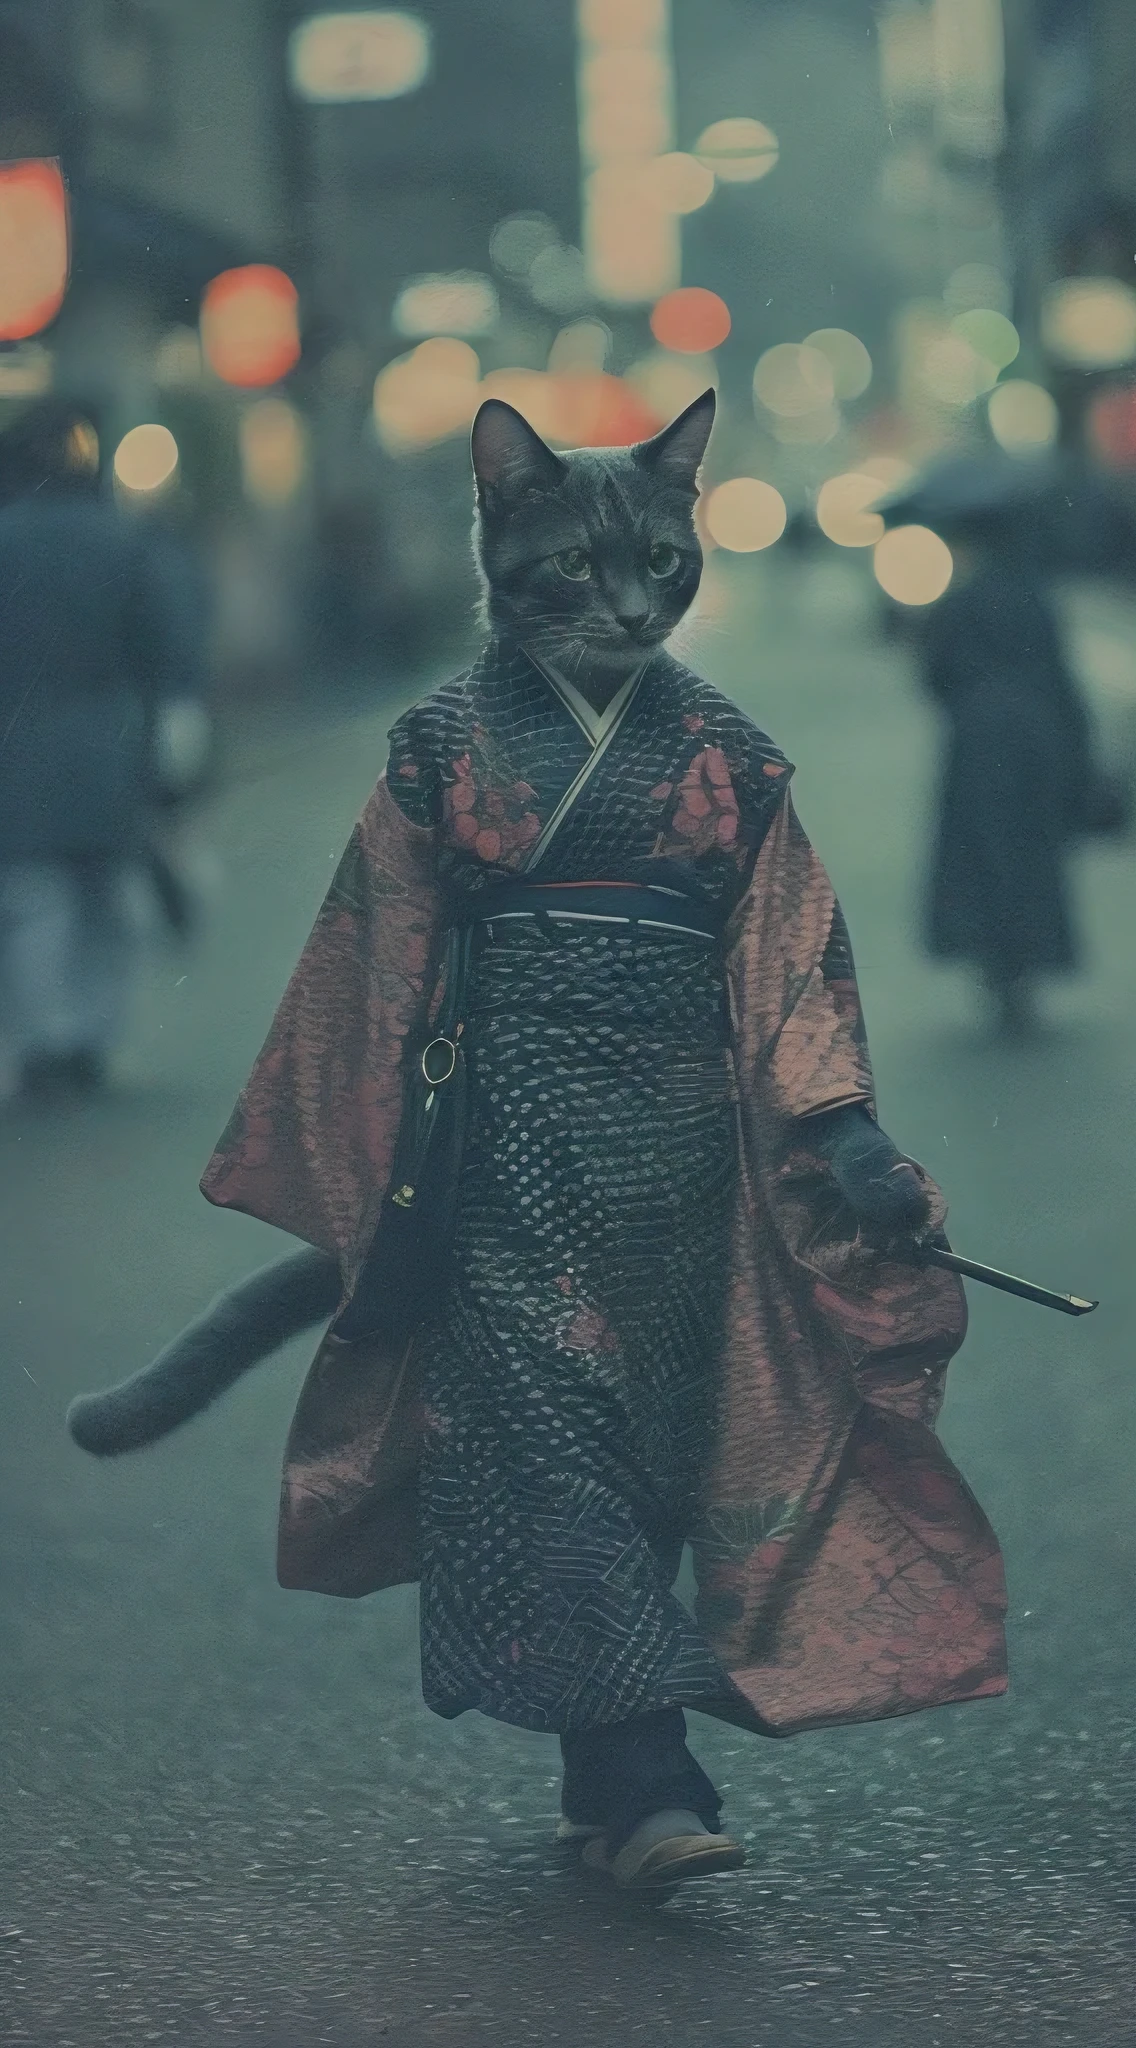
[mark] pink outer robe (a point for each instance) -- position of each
(845, 1571)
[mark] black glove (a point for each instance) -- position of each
(880, 1186)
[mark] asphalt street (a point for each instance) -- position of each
(227, 1816)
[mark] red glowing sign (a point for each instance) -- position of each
(250, 325)
(35, 246)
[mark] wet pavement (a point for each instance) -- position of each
(227, 1815)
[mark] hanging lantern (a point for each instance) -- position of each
(35, 246)
(250, 325)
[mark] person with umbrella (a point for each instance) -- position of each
(1018, 778)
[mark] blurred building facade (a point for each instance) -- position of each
(462, 197)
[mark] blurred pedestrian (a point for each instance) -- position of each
(91, 649)
(1018, 781)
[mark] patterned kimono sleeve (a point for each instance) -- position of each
(798, 1025)
(310, 1143)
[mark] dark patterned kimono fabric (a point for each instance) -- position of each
(566, 1380)
(567, 1377)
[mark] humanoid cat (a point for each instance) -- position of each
(678, 1306)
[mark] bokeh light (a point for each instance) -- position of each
(622, 23)
(808, 429)
(953, 372)
(889, 471)
(1112, 426)
(792, 380)
(83, 448)
(681, 181)
(250, 325)
(848, 359)
(669, 383)
(625, 95)
(738, 150)
(145, 458)
(582, 345)
(913, 565)
(558, 280)
(374, 54)
(1023, 416)
(690, 320)
(517, 241)
(272, 447)
(34, 246)
(990, 335)
(427, 395)
(446, 302)
(631, 240)
(1090, 322)
(843, 509)
(977, 286)
(589, 409)
(745, 515)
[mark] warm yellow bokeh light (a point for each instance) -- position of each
(739, 150)
(446, 302)
(145, 458)
(83, 448)
(1090, 321)
(808, 429)
(889, 471)
(990, 334)
(791, 380)
(913, 565)
(632, 241)
(372, 54)
(842, 509)
(745, 515)
(953, 372)
(582, 345)
(621, 23)
(427, 395)
(669, 383)
(1023, 417)
(682, 183)
(272, 447)
(848, 359)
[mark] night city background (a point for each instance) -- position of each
(269, 261)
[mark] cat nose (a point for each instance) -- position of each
(632, 613)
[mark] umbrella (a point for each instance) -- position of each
(971, 489)
(1063, 514)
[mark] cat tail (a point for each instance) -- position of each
(243, 1326)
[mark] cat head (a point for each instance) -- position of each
(590, 558)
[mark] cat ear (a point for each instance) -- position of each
(509, 455)
(677, 452)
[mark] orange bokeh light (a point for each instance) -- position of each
(35, 246)
(250, 325)
(690, 320)
(595, 410)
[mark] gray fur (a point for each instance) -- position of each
(613, 504)
(243, 1326)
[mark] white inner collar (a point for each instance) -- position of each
(594, 724)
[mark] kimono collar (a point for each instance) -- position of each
(596, 726)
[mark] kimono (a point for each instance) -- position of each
(661, 1325)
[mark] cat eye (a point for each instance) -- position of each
(574, 564)
(663, 559)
